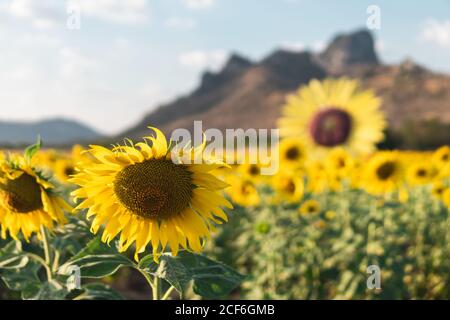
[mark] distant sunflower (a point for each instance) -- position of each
(292, 153)
(139, 192)
(27, 199)
(446, 197)
(288, 187)
(309, 207)
(438, 190)
(64, 169)
(243, 192)
(420, 173)
(334, 113)
(441, 160)
(383, 173)
(250, 170)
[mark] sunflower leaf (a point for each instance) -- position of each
(96, 260)
(33, 149)
(211, 279)
(98, 291)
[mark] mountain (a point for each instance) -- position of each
(246, 94)
(52, 131)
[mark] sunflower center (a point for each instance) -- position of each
(254, 170)
(154, 188)
(386, 170)
(21, 195)
(293, 153)
(421, 173)
(289, 187)
(69, 171)
(331, 127)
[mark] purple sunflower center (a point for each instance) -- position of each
(331, 127)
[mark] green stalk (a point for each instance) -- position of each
(47, 252)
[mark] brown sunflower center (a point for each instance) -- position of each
(21, 195)
(386, 170)
(293, 153)
(421, 173)
(289, 187)
(331, 127)
(69, 171)
(253, 170)
(154, 188)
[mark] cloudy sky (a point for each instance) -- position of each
(107, 62)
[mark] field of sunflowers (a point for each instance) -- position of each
(75, 224)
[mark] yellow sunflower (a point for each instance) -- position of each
(292, 153)
(64, 169)
(446, 197)
(441, 160)
(438, 190)
(288, 187)
(334, 113)
(147, 196)
(243, 192)
(27, 200)
(383, 173)
(420, 173)
(309, 207)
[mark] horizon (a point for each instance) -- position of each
(127, 59)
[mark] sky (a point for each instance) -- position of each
(106, 63)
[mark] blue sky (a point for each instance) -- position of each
(129, 56)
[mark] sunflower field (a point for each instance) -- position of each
(91, 222)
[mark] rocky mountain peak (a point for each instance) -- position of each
(357, 48)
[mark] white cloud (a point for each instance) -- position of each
(120, 11)
(319, 46)
(74, 64)
(380, 46)
(45, 14)
(42, 14)
(199, 59)
(293, 46)
(180, 23)
(198, 4)
(436, 32)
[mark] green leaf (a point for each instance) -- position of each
(31, 150)
(51, 290)
(21, 279)
(96, 260)
(169, 268)
(12, 257)
(98, 291)
(211, 279)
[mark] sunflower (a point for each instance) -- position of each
(292, 153)
(446, 197)
(64, 169)
(383, 173)
(27, 200)
(309, 207)
(420, 173)
(145, 195)
(243, 192)
(288, 187)
(339, 163)
(438, 189)
(441, 160)
(334, 113)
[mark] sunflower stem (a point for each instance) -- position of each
(149, 280)
(47, 253)
(157, 289)
(167, 294)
